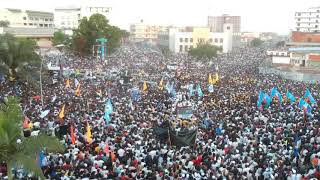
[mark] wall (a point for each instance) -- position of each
(280, 60)
(305, 37)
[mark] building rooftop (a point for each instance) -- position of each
(29, 32)
(305, 49)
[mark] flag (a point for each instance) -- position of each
(54, 99)
(41, 159)
(61, 114)
(291, 97)
(210, 79)
(106, 148)
(73, 139)
(68, 83)
(273, 91)
(304, 106)
(210, 88)
(260, 98)
(26, 122)
(88, 135)
(145, 87)
(161, 84)
(267, 100)
(76, 82)
(107, 118)
(199, 91)
(277, 94)
(135, 94)
(190, 89)
(308, 95)
(77, 93)
(217, 77)
(108, 107)
(168, 87)
(44, 113)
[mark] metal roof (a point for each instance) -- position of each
(305, 49)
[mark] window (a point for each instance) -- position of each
(41, 25)
(298, 29)
(221, 40)
(181, 48)
(299, 14)
(63, 23)
(24, 24)
(45, 25)
(191, 39)
(298, 24)
(31, 18)
(185, 39)
(210, 40)
(24, 18)
(181, 39)
(228, 27)
(45, 19)
(309, 39)
(299, 19)
(30, 24)
(216, 40)
(51, 19)
(185, 48)
(316, 26)
(37, 19)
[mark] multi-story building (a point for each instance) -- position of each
(141, 32)
(216, 24)
(69, 17)
(27, 18)
(308, 20)
(181, 40)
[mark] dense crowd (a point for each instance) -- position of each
(239, 140)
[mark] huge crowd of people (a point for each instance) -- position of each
(239, 141)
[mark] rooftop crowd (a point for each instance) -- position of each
(239, 141)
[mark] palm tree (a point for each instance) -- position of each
(18, 56)
(15, 149)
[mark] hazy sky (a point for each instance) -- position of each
(257, 15)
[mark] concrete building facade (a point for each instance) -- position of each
(181, 40)
(217, 23)
(27, 18)
(308, 20)
(140, 32)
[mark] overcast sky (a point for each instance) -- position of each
(257, 15)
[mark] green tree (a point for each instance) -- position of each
(256, 42)
(84, 37)
(4, 23)
(280, 43)
(18, 56)
(15, 149)
(204, 51)
(60, 37)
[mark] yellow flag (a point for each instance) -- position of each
(78, 90)
(161, 84)
(61, 114)
(145, 87)
(210, 79)
(217, 77)
(68, 83)
(88, 135)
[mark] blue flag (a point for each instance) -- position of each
(260, 98)
(135, 94)
(41, 160)
(267, 100)
(190, 89)
(199, 91)
(273, 91)
(304, 106)
(291, 97)
(308, 95)
(108, 107)
(107, 117)
(276, 93)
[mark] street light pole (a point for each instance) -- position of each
(41, 93)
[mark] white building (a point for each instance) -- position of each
(308, 20)
(181, 40)
(27, 18)
(143, 32)
(69, 17)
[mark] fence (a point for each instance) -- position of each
(292, 75)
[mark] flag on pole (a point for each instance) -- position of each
(61, 114)
(190, 90)
(145, 86)
(108, 107)
(199, 91)
(41, 159)
(304, 106)
(73, 139)
(291, 97)
(68, 83)
(308, 95)
(210, 79)
(161, 84)
(217, 77)
(88, 135)
(77, 93)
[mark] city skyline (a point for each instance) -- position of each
(256, 16)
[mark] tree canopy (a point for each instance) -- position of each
(256, 42)
(97, 26)
(4, 23)
(15, 149)
(60, 37)
(18, 57)
(204, 51)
